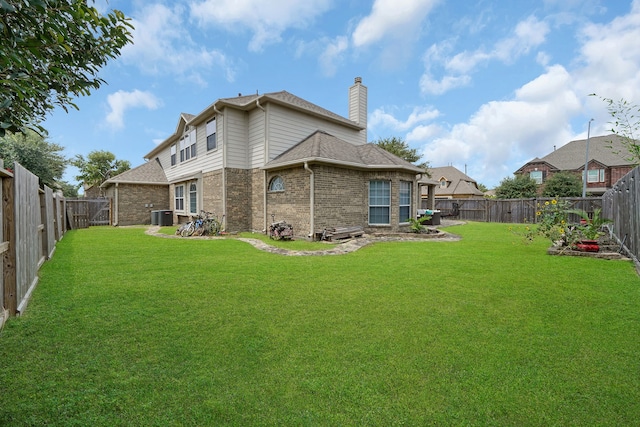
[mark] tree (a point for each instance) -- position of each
(69, 190)
(401, 149)
(50, 52)
(563, 184)
(98, 167)
(482, 187)
(518, 187)
(625, 124)
(36, 154)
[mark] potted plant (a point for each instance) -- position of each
(590, 229)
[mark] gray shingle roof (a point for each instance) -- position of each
(460, 183)
(321, 147)
(150, 173)
(607, 150)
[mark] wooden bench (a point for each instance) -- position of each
(337, 233)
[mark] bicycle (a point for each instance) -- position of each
(204, 224)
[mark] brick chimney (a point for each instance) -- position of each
(358, 106)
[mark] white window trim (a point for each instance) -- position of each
(212, 129)
(176, 198)
(400, 205)
(387, 205)
(193, 197)
(275, 179)
(539, 176)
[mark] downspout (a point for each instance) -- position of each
(115, 223)
(224, 168)
(265, 160)
(312, 199)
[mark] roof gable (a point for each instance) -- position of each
(150, 173)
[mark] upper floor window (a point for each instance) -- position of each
(276, 184)
(379, 202)
(212, 144)
(405, 201)
(443, 183)
(595, 175)
(536, 176)
(173, 155)
(192, 143)
(182, 150)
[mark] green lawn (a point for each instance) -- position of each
(127, 329)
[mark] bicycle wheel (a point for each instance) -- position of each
(213, 227)
(188, 230)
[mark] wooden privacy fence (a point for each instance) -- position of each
(509, 210)
(83, 213)
(33, 220)
(621, 205)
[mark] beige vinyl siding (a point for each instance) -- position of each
(256, 138)
(287, 128)
(236, 139)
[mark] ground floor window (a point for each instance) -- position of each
(193, 198)
(595, 175)
(405, 201)
(379, 202)
(536, 176)
(179, 198)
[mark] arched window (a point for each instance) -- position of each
(276, 184)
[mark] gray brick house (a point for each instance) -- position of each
(256, 158)
(137, 192)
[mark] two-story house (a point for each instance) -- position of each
(258, 158)
(607, 162)
(454, 184)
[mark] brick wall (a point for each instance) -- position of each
(212, 193)
(341, 198)
(135, 202)
(292, 204)
(238, 185)
(257, 186)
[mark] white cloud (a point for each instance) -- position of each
(162, 44)
(527, 35)
(610, 57)
(333, 54)
(431, 86)
(267, 20)
(502, 134)
(381, 118)
(121, 101)
(393, 28)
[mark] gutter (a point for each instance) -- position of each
(115, 222)
(312, 199)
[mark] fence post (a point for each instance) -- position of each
(9, 255)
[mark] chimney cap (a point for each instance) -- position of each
(357, 80)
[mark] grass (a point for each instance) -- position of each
(130, 329)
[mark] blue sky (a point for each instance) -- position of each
(484, 86)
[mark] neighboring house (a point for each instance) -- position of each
(606, 163)
(453, 184)
(136, 192)
(256, 159)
